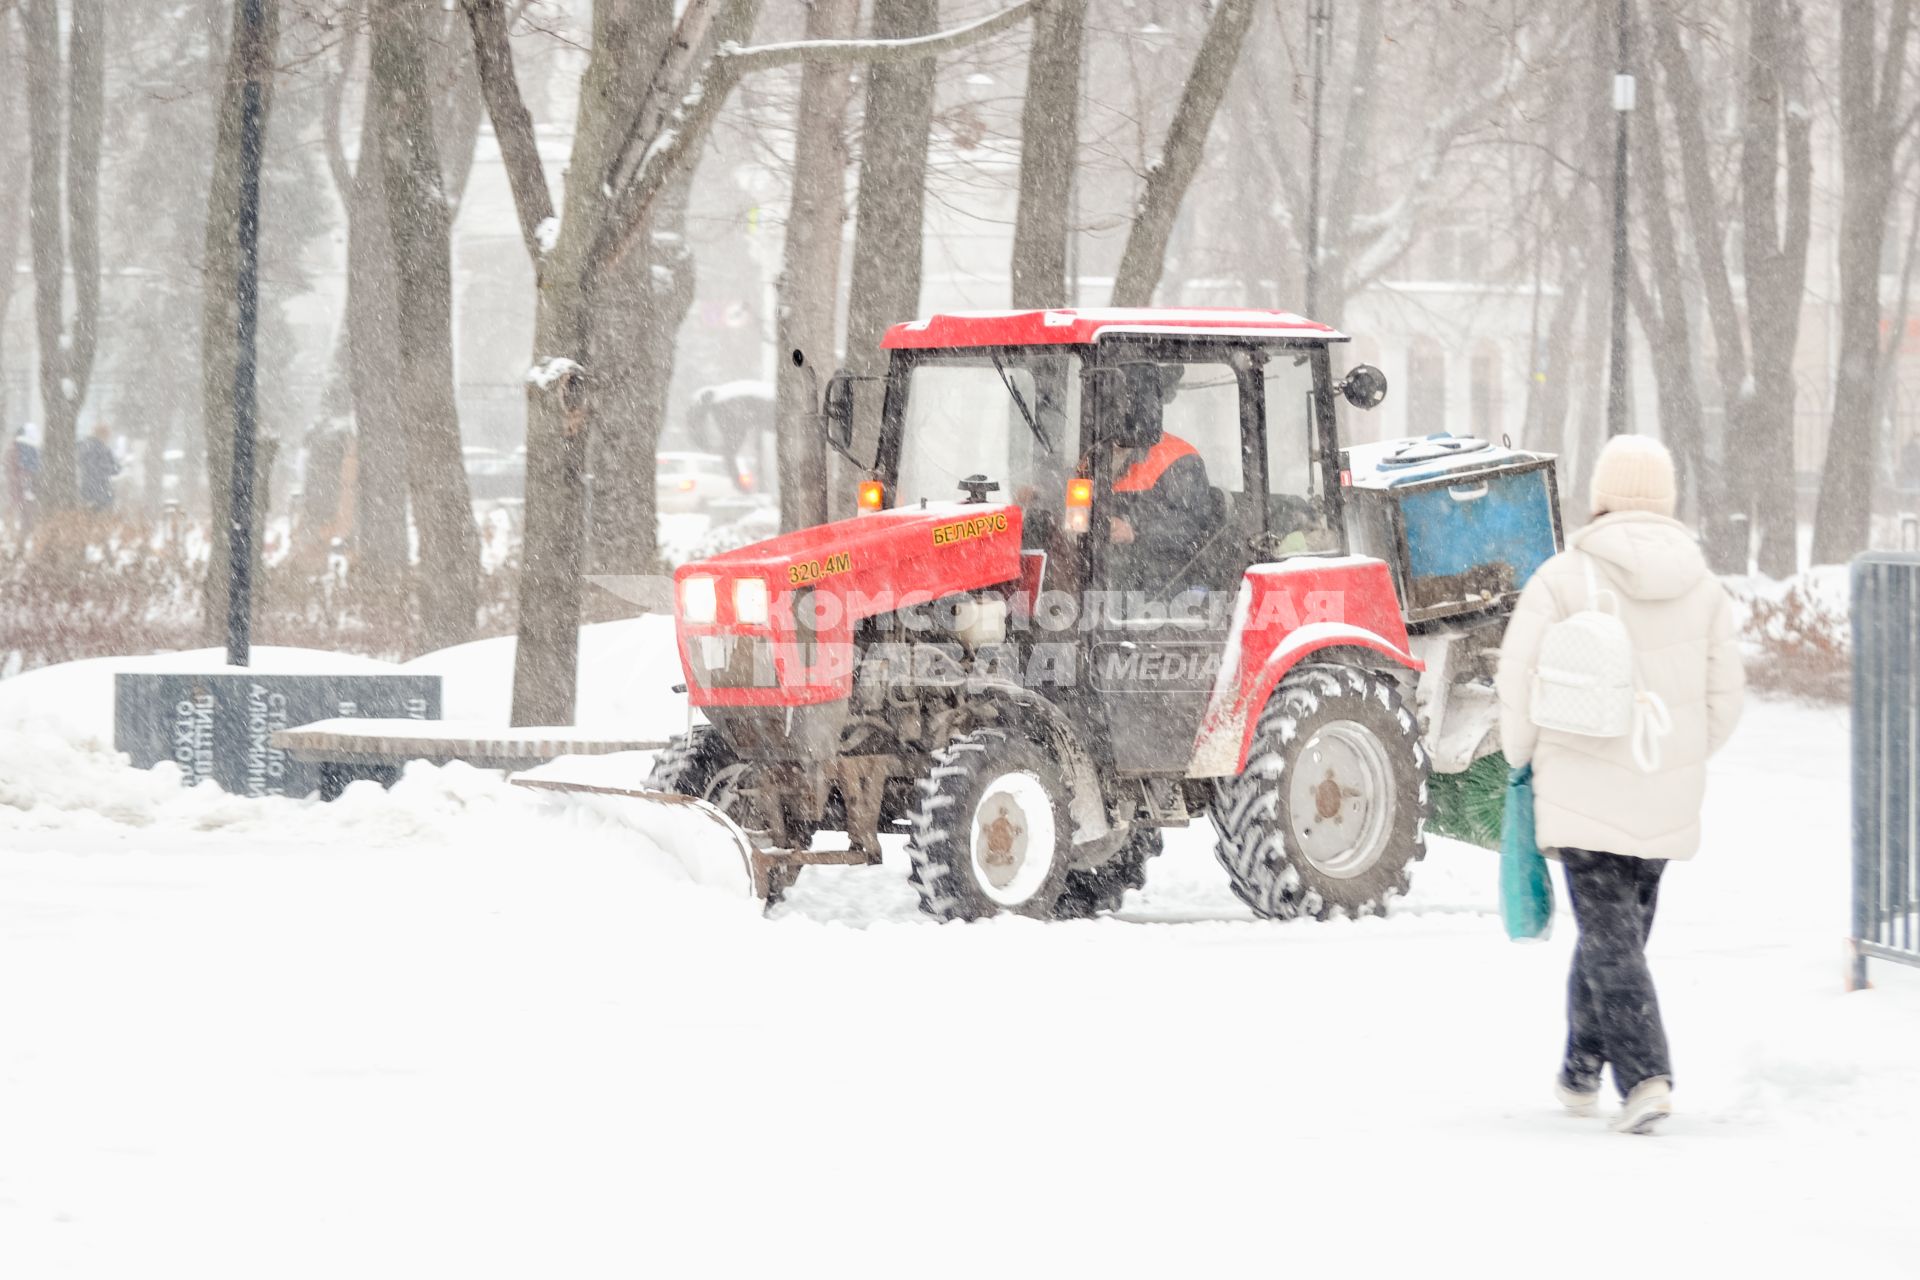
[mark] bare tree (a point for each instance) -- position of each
(891, 203)
(64, 218)
(1412, 87)
(1049, 145)
(1753, 360)
(1168, 177)
(809, 284)
(371, 332)
(1774, 114)
(1661, 296)
(646, 299)
(371, 358)
(1873, 120)
(419, 223)
(648, 100)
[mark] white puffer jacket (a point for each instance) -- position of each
(1588, 793)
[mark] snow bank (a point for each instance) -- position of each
(50, 785)
(74, 700)
(627, 673)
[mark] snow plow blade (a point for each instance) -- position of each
(740, 863)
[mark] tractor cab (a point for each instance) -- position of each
(1154, 454)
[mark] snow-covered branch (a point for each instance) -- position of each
(635, 181)
(765, 57)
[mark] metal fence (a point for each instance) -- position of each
(1886, 768)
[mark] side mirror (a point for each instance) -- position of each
(1364, 386)
(836, 412)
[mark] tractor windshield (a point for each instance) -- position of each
(1011, 415)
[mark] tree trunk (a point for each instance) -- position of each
(1589, 419)
(645, 301)
(891, 204)
(1706, 229)
(1336, 281)
(1049, 146)
(380, 551)
(1662, 304)
(13, 159)
(809, 287)
(1546, 428)
(888, 238)
(219, 318)
(1776, 268)
(418, 223)
(66, 344)
(546, 655)
(1868, 141)
(1144, 257)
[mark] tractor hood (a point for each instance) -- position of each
(849, 570)
(928, 551)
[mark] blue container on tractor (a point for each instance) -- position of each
(1462, 522)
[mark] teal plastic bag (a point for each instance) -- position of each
(1526, 893)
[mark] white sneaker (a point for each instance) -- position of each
(1576, 1102)
(1650, 1102)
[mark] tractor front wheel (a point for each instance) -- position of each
(699, 763)
(990, 830)
(1330, 811)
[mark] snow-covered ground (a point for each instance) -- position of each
(458, 1029)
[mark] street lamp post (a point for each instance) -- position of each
(1623, 93)
(246, 329)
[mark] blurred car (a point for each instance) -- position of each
(697, 482)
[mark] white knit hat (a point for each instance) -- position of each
(1635, 473)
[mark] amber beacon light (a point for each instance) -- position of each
(1079, 503)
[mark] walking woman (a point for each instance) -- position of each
(1613, 824)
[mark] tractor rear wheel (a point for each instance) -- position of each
(1330, 811)
(990, 831)
(1093, 891)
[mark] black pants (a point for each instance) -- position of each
(1613, 1015)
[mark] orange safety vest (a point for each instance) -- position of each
(1146, 473)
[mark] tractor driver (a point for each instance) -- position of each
(1163, 505)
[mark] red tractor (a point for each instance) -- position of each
(1111, 572)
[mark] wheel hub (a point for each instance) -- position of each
(1340, 803)
(1012, 846)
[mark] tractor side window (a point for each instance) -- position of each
(1203, 409)
(1297, 509)
(1178, 508)
(1017, 424)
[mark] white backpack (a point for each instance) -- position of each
(1584, 681)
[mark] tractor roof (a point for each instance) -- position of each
(1089, 324)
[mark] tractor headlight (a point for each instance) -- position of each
(699, 600)
(750, 601)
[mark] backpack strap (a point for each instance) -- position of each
(1651, 719)
(1595, 590)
